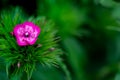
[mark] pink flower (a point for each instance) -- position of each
(26, 33)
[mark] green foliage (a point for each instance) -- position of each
(45, 51)
(67, 17)
(90, 35)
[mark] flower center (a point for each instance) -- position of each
(26, 34)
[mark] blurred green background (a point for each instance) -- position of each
(90, 37)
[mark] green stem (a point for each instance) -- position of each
(64, 67)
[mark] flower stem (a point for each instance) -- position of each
(67, 73)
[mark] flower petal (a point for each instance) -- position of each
(29, 23)
(31, 40)
(28, 28)
(21, 41)
(36, 31)
(18, 30)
